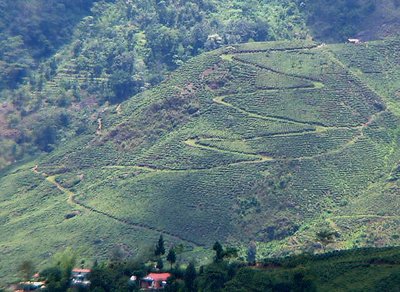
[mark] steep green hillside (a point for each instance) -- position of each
(120, 49)
(291, 144)
(61, 61)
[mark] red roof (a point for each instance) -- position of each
(159, 276)
(76, 270)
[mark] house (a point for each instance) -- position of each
(154, 281)
(354, 41)
(29, 286)
(80, 277)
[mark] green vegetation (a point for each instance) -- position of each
(305, 163)
(62, 65)
(356, 270)
(276, 147)
(33, 30)
(62, 62)
(338, 20)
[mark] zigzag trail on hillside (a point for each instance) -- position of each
(318, 127)
(254, 158)
(219, 100)
(76, 203)
(258, 158)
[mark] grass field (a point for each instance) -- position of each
(293, 145)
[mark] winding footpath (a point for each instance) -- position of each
(253, 158)
(258, 158)
(73, 202)
(318, 128)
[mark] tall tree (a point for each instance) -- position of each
(171, 257)
(160, 264)
(160, 249)
(219, 251)
(252, 253)
(190, 277)
(26, 268)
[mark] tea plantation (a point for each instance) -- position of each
(293, 145)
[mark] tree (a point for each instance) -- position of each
(190, 277)
(219, 251)
(46, 136)
(160, 249)
(301, 283)
(54, 279)
(26, 268)
(160, 264)
(123, 86)
(101, 279)
(65, 261)
(213, 277)
(252, 253)
(171, 257)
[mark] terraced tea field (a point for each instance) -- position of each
(271, 142)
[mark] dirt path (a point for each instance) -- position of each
(220, 100)
(76, 203)
(254, 158)
(258, 158)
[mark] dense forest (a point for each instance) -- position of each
(33, 30)
(333, 20)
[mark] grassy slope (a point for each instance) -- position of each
(273, 142)
(112, 54)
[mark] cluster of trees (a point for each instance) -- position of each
(136, 42)
(33, 30)
(379, 267)
(30, 33)
(223, 274)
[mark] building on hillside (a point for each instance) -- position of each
(80, 277)
(28, 286)
(354, 41)
(154, 281)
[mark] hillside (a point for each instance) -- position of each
(291, 144)
(64, 60)
(31, 31)
(365, 19)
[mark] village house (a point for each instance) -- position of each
(154, 281)
(28, 286)
(354, 41)
(80, 277)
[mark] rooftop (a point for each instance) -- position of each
(81, 271)
(158, 276)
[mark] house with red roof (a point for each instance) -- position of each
(154, 281)
(80, 277)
